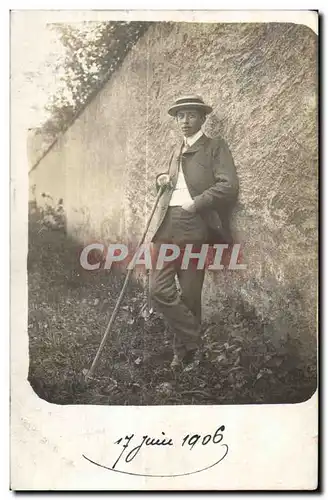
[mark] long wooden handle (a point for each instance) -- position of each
(121, 296)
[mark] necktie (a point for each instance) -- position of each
(185, 146)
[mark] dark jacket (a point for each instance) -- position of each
(211, 178)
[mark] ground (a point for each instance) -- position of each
(68, 312)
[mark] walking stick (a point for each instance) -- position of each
(90, 372)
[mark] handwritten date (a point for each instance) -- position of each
(188, 440)
(132, 445)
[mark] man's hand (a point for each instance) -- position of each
(164, 180)
(189, 207)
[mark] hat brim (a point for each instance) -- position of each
(178, 107)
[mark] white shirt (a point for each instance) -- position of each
(181, 193)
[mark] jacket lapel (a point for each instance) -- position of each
(197, 145)
(174, 169)
(175, 164)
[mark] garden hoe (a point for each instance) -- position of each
(88, 374)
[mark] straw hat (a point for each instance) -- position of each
(189, 101)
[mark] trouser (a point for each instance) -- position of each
(182, 311)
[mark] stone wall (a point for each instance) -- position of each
(261, 80)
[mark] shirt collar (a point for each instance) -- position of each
(189, 141)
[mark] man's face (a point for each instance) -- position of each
(190, 121)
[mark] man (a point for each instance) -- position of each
(200, 189)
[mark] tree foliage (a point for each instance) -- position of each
(93, 51)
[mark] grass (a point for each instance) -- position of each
(68, 312)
